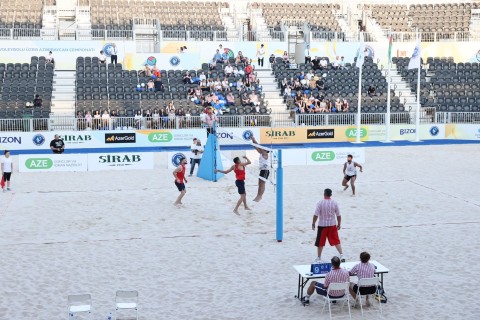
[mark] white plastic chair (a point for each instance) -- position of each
(80, 303)
(346, 297)
(367, 282)
(126, 300)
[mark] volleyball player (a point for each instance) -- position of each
(350, 173)
(180, 180)
(239, 169)
(264, 170)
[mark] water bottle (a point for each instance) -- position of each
(110, 317)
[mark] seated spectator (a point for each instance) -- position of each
(287, 93)
(147, 70)
(297, 85)
(102, 58)
(203, 85)
(213, 64)
(298, 100)
(301, 76)
(217, 57)
(285, 57)
(336, 275)
(240, 58)
(225, 85)
(283, 85)
(342, 63)
(191, 94)
(309, 75)
(187, 79)
(217, 84)
(319, 83)
(338, 105)
(50, 58)
(323, 64)
(248, 85)
(254, 101)
(316, 63)
(248, 69)
(156, 72)
(336, 63)
(224, 56)
(105, 120)
(371, 90)
(239, 84)
(323, 106)
(158, 85)
(228, 70)
(245, 99)
(37, 102)
(328, 107)
(363, 270)
(202, 76)
(150, 85)
(345, 105)
(210, 84)
(312, 84)
(230, 99)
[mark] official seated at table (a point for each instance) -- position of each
(336, 275)
(363, 270)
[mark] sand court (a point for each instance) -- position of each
(417, 211)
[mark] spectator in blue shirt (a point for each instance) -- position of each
(217, 57)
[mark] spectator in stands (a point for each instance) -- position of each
(309, 75)
(210, 119)
(113, 54)
(371, 90)
(285, 57)
(158, 85)
(147, 70)
(50, 58)
(57, 145)
(203, 85)
(316, 63)
(287, 93)
(320, 85)
(363, 270)
(342, 63)
(102, 58)
(37, 102)
(254, 101)
(308, 58)
(271, 60)
(248, 69)
(155, 119)
(180, 115)
(113, 119)
(202, 76)
(230, 99)
(96, 119)
(345, 105)
(240, 84)
(209, 75)
(336, 63)
(156, 72)
(248, 85)
(283, 85)
(228, 70)
(80, 121)
(150, 85)
(240, 71)
(245, 100)
(297, 85)
(323, 106)
(213, 64)
(217, 84)
(88, 120)
(323, 64)
(187, 79)
(328, 107)
(260, 55)
(338, 105)
(105, 120)
(217, 57)
(312, 84)
(225, 84)
(210, 84)
(138, 119)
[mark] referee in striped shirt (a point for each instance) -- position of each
(329, 222)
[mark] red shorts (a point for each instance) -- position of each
(324, 233)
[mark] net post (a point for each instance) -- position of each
(279, 205)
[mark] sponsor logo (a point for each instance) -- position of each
(11, 140)
(38, 139)
(174, 61)
(76, 139)
(224, 135)
(151, 61)
(406, 131)
(323, 156)
(38, 163)
(352, 133)
(160, 136)
(119, 160)
(280, 133)
(108, 49)
(320, 133)
(176, 158)
(247, 135)
(434, 131)
(369, 51)
(120, 137)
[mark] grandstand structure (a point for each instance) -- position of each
(446, 85)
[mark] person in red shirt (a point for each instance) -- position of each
(180, 180)
(248, 69)
(239, 169)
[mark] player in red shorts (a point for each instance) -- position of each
(329, 222)
(180, 180)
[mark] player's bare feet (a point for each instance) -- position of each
(247, 208)
(346, 187)
(257, 199)
(236, 212)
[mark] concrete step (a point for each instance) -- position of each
(64, 74)
(64, 89)
(59, 96)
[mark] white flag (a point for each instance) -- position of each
(361, 52)
(416, 56)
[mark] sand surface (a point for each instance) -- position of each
(417, 212)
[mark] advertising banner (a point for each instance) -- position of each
(334, 155)
(168, 61)
(120, 161)
(52, 162)
(463, 131)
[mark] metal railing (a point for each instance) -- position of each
(195, 35)
(331, 36)
(434, 36)
(70, 123)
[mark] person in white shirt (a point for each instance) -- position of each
(228, 70)
(264, 166)
(194, 144)
(260, 55)
(309, 75)
(342, 63)
(323, 63)
(102, 58)
(350, 173)
(113, 56)
(50, 58)
(336, 63)
(106, 120)
(197, 152)
(202, 76)
(7, 169)
(308, 58)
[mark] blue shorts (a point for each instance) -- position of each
(180, 186)
(240, 186)
(322, 291)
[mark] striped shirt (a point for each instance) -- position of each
(363, 270)
(326, 211)
(337, 276)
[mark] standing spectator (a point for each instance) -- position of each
(138, 119)
(7, 169)
(271, 60)
(50, 58)
(197, 152)
(260, 55)
(80, 121)
(336, 275)
(113, 119)
(102, 58)
(308, 58)
(329, 222)
(345, 105)
(57, 145)
(114, 53)
(37, 102)
(88, 120)
(96, 119)
(105, 120)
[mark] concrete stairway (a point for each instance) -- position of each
(63, 97)
(403, 90)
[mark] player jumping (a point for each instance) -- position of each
(350, 173)
(264, 170)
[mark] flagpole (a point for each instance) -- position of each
(359, 103)
(388, 94)
(417, 111)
